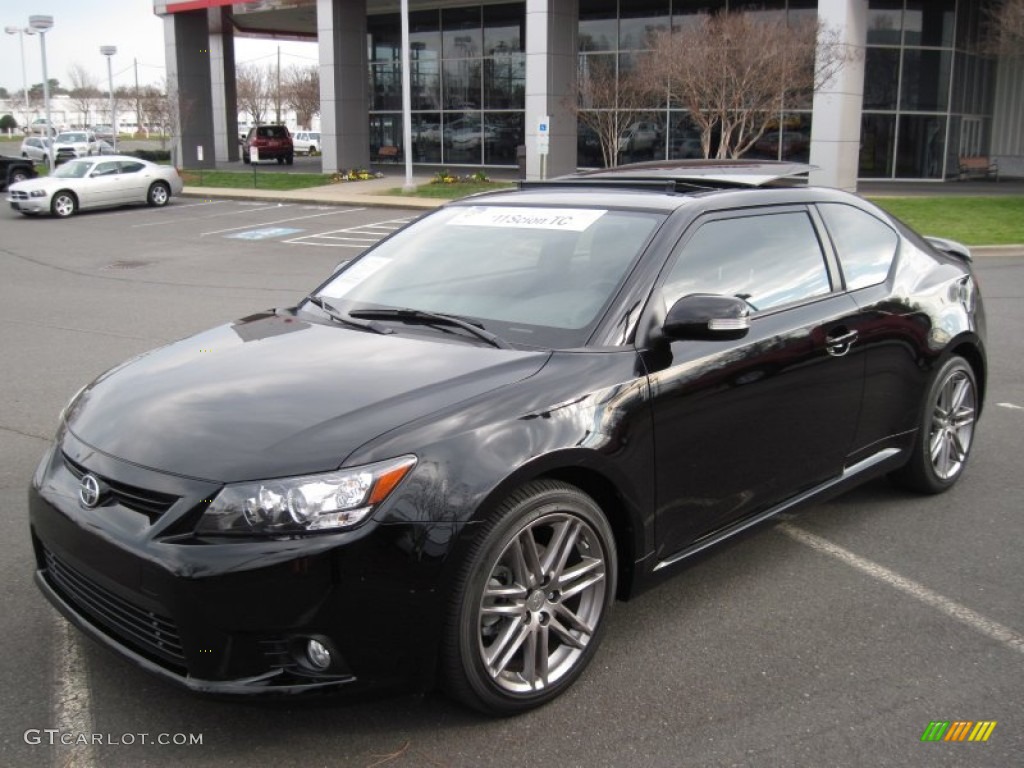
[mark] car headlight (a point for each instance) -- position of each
(37, 193)
(330, 501)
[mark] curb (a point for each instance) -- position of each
(996, 250)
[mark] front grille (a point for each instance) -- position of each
(142, 500)
(19, 195)
(152, 635)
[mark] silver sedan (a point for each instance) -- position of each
(95, 183)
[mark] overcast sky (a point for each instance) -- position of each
(80, 28)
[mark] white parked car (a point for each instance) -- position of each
(70, 144)
(94, 183)
(35, 148)
(306, 142)
(41, 126)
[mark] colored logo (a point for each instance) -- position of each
(958, 730)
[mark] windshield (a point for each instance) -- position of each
(76, 169)
(535, 276)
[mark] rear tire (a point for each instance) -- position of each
(245, 156)
(946, 432)
(290, 159)
(17, 175)
(528, 606)
(158, 195)
(280, 161)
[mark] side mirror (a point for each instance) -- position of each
(707, 317)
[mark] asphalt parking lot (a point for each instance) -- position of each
(831, 638)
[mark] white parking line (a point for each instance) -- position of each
(366, 234)
(1011, 406)
(214, 215)
(994, 630)
(281, 221)
(72, 699)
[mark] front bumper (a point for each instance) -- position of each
(235, 617)
(29, 204)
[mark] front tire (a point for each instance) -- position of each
(529, 604)
(63, 204)
(158, 195)
(290, 159)
(17, 175)
(946, 433)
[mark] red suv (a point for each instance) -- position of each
(271, 141)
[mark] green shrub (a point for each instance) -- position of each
(153, 155)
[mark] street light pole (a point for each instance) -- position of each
(42, 24)
(109, 51)
(21, 32)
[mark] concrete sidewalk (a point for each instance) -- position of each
(365, 194)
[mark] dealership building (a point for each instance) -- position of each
(487, 77)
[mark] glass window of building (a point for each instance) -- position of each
(639, 20)
(599, 25)
(929, 23)
(885, 22)
(504, 28)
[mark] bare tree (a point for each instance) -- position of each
(608, 103)
(735, 72)
(301, 88)
(255, 91)
(1005, 29)
(84, 91)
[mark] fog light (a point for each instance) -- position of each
(318, 655)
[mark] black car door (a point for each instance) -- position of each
(742, 425)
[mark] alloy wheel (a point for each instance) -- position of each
(542, 603)
(952, 425)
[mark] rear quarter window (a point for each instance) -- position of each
(866, 245)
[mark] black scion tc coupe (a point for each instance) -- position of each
(443, 465)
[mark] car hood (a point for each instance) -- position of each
(272, 395)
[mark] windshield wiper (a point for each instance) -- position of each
(338, 316)
(428, 318)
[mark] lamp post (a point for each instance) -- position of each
(109, 51)
(21, 32)
(42, 24)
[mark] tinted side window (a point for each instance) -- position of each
(131, 167)
(866, 245)
(105, 169)
(768, 260)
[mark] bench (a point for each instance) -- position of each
(980, 166)
(387, 153)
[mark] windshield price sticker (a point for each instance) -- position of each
(565, 219)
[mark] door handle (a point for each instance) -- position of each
(839, 345)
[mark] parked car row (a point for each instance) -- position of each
(66, 146)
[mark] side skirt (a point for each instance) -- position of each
(874, 465)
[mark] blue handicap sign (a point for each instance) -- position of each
(263, 234)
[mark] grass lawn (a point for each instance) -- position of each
(971, 220)
(261, 180)
(452, 191)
